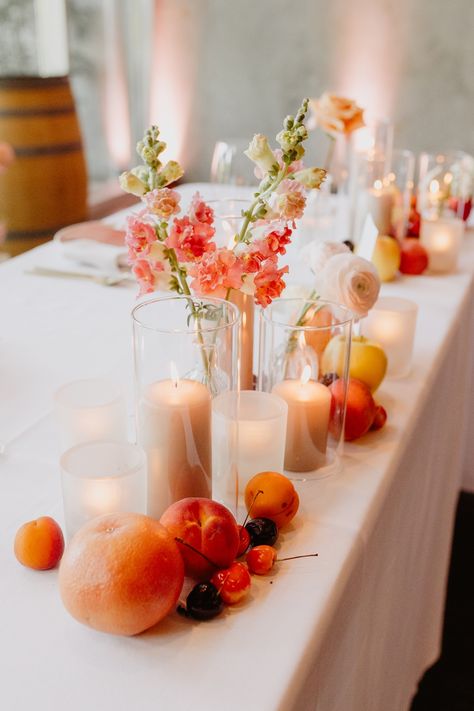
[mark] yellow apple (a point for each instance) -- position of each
(368, 361)
(386, 257)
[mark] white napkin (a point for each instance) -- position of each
(106, 258)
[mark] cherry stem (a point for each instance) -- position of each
(293, 557)
(250, 507)
(195, 550)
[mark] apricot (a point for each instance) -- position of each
(39, 544)
(277, 500)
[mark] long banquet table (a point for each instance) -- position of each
(351, 630)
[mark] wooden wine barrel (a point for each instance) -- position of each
(45, 188)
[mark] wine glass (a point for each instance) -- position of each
(230, 165)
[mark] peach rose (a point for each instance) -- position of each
(336, 114)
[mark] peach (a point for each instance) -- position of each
(207, 526)
(318, 340)
(278, 499)
(360, 408)
(121, 573)
(39, 544)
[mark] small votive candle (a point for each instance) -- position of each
(102, 477)
(90, 410)
(392, 323)
(248, 436)
(309, 405)
(442, 238)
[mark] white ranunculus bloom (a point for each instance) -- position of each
(320, 252)
(351, 281)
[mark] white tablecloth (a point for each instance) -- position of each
(351, 630)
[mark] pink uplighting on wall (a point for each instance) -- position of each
(173, 73)
(115, 110)
(367, 65)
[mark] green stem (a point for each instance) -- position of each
(260, 199)
(187, 292)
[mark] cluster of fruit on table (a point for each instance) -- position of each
(122, 573)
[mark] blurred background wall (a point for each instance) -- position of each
(206, 70)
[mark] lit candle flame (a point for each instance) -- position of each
(305, 375)
(448, 178)
(378, 185)
(174, 374)
(434, 187)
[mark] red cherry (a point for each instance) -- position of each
(244, 541)
(261, 559)
(233, 583)
(380, 418)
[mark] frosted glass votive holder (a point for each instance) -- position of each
(99, 478)
(248, 436)
(392, 323)
(442, 237)
(90, 410)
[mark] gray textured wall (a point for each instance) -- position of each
(230, 68)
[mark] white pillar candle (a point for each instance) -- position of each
(248, 436)
(174, 429)
(442, 239)
(98, 478)
(380, 202)
(309, 405)
(392, 323)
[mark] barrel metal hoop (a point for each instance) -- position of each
(37, 111)
(30, 151)
(24, 234)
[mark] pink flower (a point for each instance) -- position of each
(268, 283)
(217, 272)
(152, 274)
(145, 276)
(291, 200)
(199, 211)
(190, 240)
(163, 202)
(270, 245)
(277, 239)
(7, 156)
(139, 236)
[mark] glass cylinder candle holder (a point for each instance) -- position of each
(392, 323)
(445, 185)
(304, 349)
(99, 478)
(442, 239)
(185, 351)
(248, 436)
(383, 187)
(90, 410)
